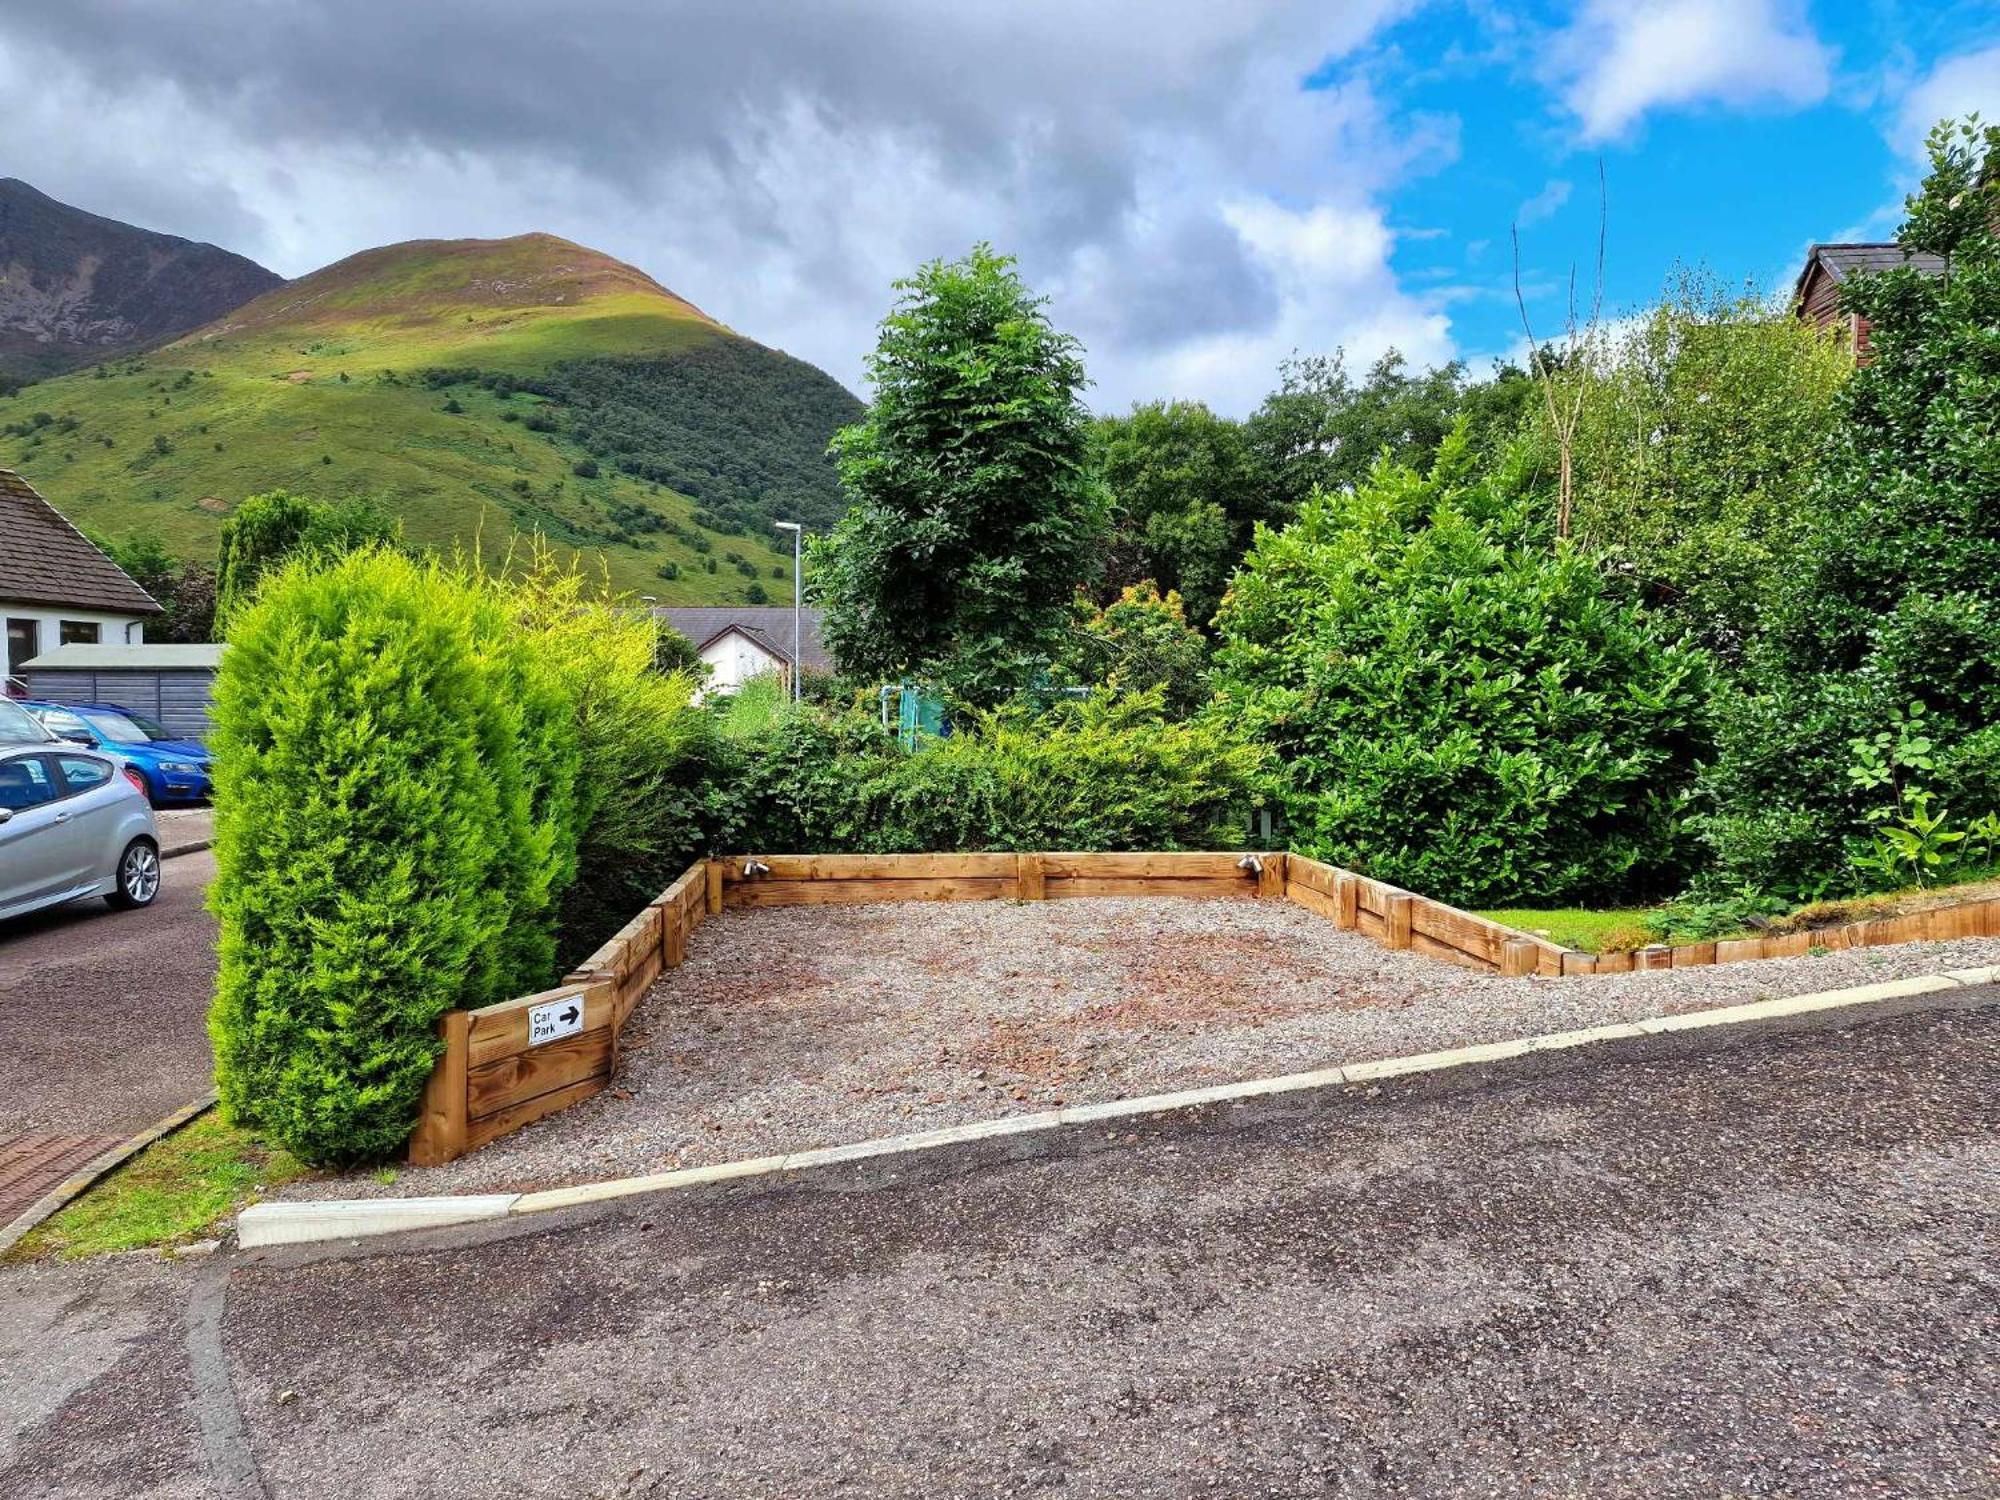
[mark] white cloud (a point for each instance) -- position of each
(1958, 86)
(1543, 204)
(1624, 58)
(1192, 212)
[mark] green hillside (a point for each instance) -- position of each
(476, 389)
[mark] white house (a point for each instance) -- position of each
(739, 643)
(56, 589)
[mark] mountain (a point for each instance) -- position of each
(478, 390)
(75, 288)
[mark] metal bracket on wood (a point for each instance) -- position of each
(754, 869)
(1251, 863)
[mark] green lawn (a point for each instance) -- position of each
(175, 1191)
(1576, 927)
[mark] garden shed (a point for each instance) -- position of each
(171, 683)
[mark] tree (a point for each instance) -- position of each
(1562, 398)
(1142, 641)
(1186, 493)
(1695, 447)
(185, 590)
(266, 529)
(975, 515)
(1458, 702)
(1891, 596)
(1321, 431)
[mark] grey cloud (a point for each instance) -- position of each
(777, 163)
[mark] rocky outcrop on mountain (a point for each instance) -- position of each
(76, 288)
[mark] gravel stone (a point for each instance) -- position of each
(792, 1028)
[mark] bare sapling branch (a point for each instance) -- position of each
(1565, 408)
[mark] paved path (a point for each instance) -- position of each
(103, 1026)
(1764, 1270)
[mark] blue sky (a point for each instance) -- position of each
(1739, 178)
(1200, 187)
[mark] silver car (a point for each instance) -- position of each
(72, 824)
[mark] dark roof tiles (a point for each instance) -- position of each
(772, 626)
(45, 560)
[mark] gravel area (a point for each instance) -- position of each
(811, 1026)
(821, 1025)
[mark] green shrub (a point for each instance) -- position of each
(1892, 596)
(266, 529)
(1140, 640)
(1459, 704)
(638, 734)
(1101, 773)
(395, 777)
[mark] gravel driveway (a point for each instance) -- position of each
(810, 1026)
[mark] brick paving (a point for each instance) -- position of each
(31, 1165)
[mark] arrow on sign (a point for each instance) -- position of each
(569, 1015)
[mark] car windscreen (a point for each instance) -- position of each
(17, 724)
(123, 729)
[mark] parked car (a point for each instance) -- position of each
(19, 727)
(73, 823)
(173, 770)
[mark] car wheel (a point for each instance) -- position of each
(138, 876)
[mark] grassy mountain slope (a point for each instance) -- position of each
(75, 288)
(478, 390)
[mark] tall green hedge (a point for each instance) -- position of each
(395, 818)
(1459, 703)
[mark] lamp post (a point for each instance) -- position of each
(798, 585)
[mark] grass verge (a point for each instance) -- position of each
(1635, 926)
(1579, 928)
(172, 1193)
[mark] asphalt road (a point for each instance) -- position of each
(1768, 1270)
(103, 1014)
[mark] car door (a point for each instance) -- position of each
(96, 796)
(38, 855)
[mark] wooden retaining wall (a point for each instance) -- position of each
(1942, 925)
(1397, 918)
(492, 1077)
(840, 879)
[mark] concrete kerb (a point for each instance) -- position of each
(292, 1223)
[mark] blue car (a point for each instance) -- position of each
(174, 770)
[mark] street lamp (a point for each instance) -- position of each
(798, 581)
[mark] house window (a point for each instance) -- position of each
(79, 632)
(24, 643)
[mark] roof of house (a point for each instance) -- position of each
(163, 656)
(770, 627)
(48, 561)
(1842, 261)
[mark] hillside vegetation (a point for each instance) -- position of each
(477, 391)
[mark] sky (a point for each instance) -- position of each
(1200, 189)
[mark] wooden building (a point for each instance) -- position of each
(1816, 296)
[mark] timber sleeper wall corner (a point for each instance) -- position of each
(504, 1065)
(1401, 919)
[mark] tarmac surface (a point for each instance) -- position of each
(1767, 1269)
(103, 1014)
